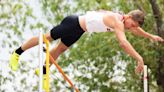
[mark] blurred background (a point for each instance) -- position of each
(95, 63)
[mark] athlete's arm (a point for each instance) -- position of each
(128, 48)
(139, 31)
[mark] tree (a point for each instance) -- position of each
(160, 31)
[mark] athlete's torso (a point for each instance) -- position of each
(93, 21)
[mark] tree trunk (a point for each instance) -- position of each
(160, 32)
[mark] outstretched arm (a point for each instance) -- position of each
(128, 48)
(139, 31)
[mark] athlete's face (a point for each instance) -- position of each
(130, 23)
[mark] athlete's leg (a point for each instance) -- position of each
(14, 58)
(34, 41)
(59, 49)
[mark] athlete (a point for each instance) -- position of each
(72, 28)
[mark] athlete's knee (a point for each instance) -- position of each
(35, 39)
(63, 47)
(48, 37)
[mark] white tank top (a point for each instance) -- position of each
(94, 22)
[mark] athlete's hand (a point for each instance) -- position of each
(140, 67)
(157, 38)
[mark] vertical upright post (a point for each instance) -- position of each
(47, 62)
(40, 61)
(145, 79)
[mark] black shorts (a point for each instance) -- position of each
(68, 30)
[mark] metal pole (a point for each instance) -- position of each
(145, 79)
(40, 61)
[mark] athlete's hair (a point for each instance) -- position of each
(138, 16)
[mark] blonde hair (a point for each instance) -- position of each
(138, 16)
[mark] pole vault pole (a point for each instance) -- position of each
(63, 74)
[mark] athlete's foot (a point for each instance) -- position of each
(14, 58)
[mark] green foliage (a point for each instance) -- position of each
(16, 8)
